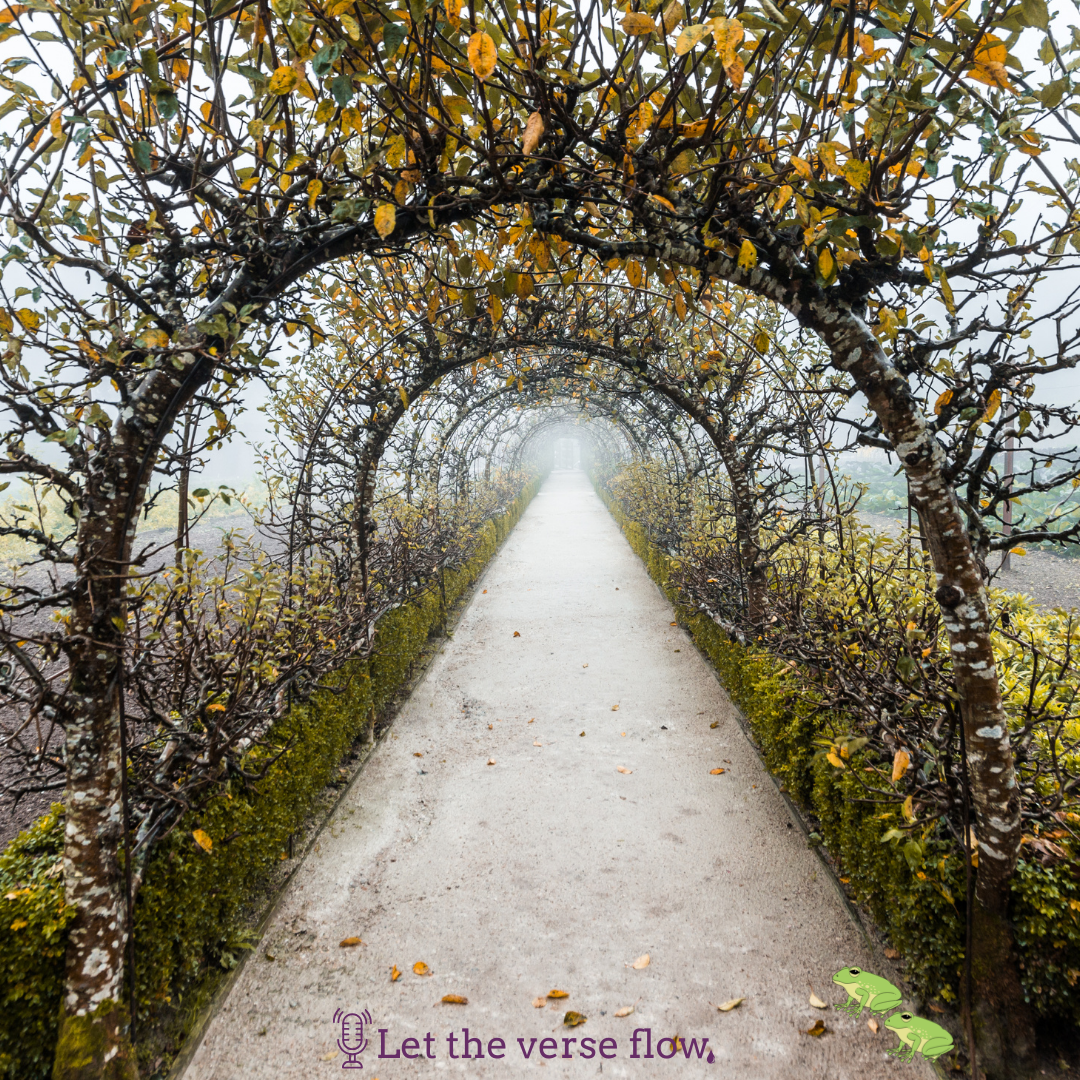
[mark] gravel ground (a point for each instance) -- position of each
(1050, 580)
(542, 815)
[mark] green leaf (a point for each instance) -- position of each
(394, 33)
(323, 61)
(140, 151)
(342, 88)
(168, 105)
(150, 64)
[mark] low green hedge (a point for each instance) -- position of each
(916, 898)
(188, 911)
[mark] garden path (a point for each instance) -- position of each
(493, 837)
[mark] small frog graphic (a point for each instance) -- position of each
(866, 990)
(918, 1036)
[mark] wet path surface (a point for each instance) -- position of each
(494, 838)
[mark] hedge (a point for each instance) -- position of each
(189, 912)
(921, 914)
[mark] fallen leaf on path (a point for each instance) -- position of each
(270, 956)
(394, 974)
(582, 735)
(731, 1003)
(539, 1003)
(555, 994)
(715, 723)
(416, 753)
(584, 665)
(533, 720)
(892, 954)
(614, 708)
(454, 999)
(485, 590)
(816, 1001)
(716, 772)
(537, 742)
(349, 942)
(420, 968)
(624, 769)
(491, 761)
(873, 1025)
(574, 1019)
(818, 1029)
(626, 1010)
(330, 1056)
(516, 634)
(673, 624)
(624, 734)
(935, 1007)
(640, 962)
(491, 727)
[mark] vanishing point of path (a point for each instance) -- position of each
(552, 869)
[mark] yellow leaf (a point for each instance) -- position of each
(834, 760)
(555, 995)
(942, 401)
(816, 1001)
(394, 974)
(283, 80)
(454, 999)
(482, 55)
(1018, 551)
(663, 202)
(672, 15)
(534, 132)
(623, 769)
(717, 772)
(158, 339)
(329, 1055)
(349, 942)
(637, 23)
(690, 36)
(993, 403)
(947, 294)
(641, 962)
(404, 397)
(900, 762)
(18, 924)
(574, 1019)
(420, 968)
(818, 1029)
(29, 318)
(802, 167)
(12, 12)
(634, 274)
(908, 809)
(314, 190)
(484, 261)
(626, 1010)
(614, 708)
(761, 341)
(857, 174)
(453, 12)
(731, 1003)
(202, 840)
(385, 219)
(747, 256)
(826, 264)
(7, 324)
(727, 36)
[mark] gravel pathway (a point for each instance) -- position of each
(541, 817)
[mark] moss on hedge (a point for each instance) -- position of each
(188, 914)
(916, 898)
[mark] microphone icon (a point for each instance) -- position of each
(352, 1042)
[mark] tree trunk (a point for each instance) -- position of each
(94, 1035)
(1003, 1023)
